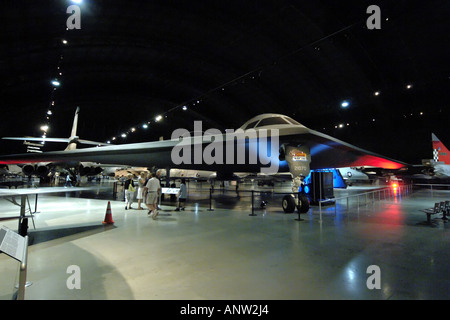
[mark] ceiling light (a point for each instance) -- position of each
(345, 104)
(77, 1)
(158, 118)
(184, 108)
(145, 126)
(409, 86)
(64, 41)
(44, 128)
(56, 83)
(377, 93)
(123, 135)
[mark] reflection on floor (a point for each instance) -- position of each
(228, 254)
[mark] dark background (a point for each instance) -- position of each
(132, 60)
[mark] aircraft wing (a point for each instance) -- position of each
(136, 154)
(326, 152)
(66, 140)
(329, 152)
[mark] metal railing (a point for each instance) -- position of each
(431, 185)
(387, 192)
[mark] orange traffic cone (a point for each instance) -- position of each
(108, 215)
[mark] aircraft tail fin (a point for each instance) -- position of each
(71, 141)
(73, 134)
(440, 151)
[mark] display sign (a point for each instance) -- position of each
(12, 243)
(170, 190)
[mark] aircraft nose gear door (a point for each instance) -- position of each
(298, 159)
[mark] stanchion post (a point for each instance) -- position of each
(23, 272)
(115, 190)
(210, 200)
(320, 210)
(299, 218)
(253, 212)
(35, 204)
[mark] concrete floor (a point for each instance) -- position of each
(227, 254)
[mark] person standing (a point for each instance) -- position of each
(129, 191)
(182, 195)
(141, 186)
(68, 181)
(153, 188)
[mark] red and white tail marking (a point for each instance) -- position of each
(440, 152)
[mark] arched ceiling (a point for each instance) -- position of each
(132, 60)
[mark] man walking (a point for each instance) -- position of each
(153, 189)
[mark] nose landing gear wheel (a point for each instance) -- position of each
(303, 204)
(288, 203)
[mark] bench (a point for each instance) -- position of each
(439, 207)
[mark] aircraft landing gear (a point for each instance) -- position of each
(289, 203)
(298, 158)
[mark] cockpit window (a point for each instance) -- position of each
(292, 121)
(271, 121)
(251, 125)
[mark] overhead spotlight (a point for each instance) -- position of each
(56, 83)
(77, 1)
(158, 118)
(64, 42)
(376, 93)
(341, 125)
(184, 108)
(108, 142)
(123, 135)
(44, 128)
(145, 126)
(113, 138)
(49, 112)
(409, 86)
(133, 129)
(345, 104)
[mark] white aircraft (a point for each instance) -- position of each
(10, 170)
(44, 168)
(353, 175)
(292, 147)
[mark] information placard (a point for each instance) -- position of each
(12, 243)
(170, 190)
